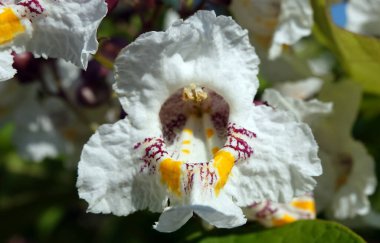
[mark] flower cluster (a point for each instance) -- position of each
(189, 130)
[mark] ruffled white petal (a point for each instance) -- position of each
(274, 23)
(283, 163)
(218, 211)
(349, 184)
(107, 173)
(6, 69)
(305, 111)
(302, 89)
(295, 21)
(35, 136)
(203, 50)
(170, 17)
(173, 218)
(67, 29)
(363, 17)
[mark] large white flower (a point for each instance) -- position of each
(192, 140)
(363, 17)
(348, 177)
(49, 28)
(274, 23)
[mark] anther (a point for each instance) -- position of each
(194, 93)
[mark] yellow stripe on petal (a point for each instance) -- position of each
(209, 132)
(215, 150)
(188, 130)
(185, 151)
(10, 25)
(223, 163)
(171, 174)
(308, 205)
(285, 219)
(186, 142)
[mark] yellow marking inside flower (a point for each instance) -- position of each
(215, 150)
(185, 151)
(209, 132)
(186, 142)
(223, 163)
(10, 25)
(286, 219)
(171, 174)
(188, 130)
(307, 205)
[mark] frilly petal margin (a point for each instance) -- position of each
(285, 149)
(220, 212)
(203, 49)
(107, 169)
(173, 218)
(305, 111)
(68, 30)
(6, 69)
(295, 22)
(363, 17)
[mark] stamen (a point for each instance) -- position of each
(194, 93)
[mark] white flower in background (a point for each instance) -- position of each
(170, 17)
(193, 142)
(350, 173)
(45, 126)
(49, 28)
(35, 135)
(302, 89)
(348, 178)
(363, 17)
(274, 23)
(272, 214)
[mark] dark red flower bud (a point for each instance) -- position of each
(111, 4)
(28, 68)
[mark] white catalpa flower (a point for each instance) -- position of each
(272, 214)
(350, 174)
(274, 23)
(348, 177)
(363, 17)
(49, 28)
(192, 141)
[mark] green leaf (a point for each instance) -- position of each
(49, 220)
(302, 231)
(358, 54)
